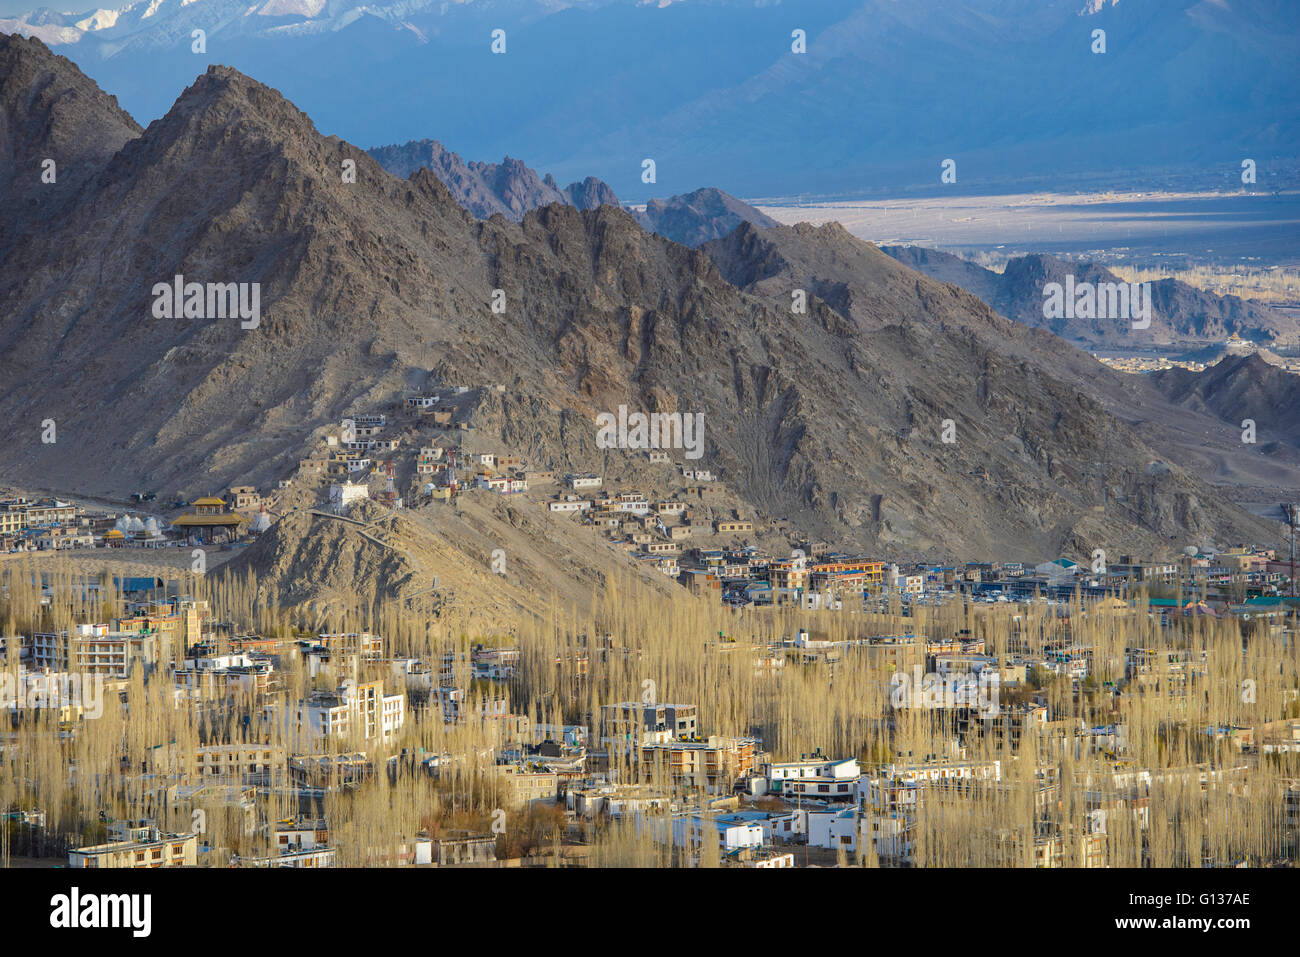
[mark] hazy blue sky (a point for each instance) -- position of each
(10, 7)
(717, 93)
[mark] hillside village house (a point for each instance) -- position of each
(702, 583)
(570, 505)
(730, 528)
(244, 496)
(667, 565)
(502, 484)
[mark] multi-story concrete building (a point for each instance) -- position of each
(360, 710)
(94, 650)
(679, 719)
(713, 764)
(223, 676)
(252, 763)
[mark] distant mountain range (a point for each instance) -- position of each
(886, 90)
(1181, 315)
(485, 189)
(511, 188)
(695, 218)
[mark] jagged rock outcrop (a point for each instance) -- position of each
(694, 218)
(485, 189)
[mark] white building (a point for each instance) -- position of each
(575, 505)
(817, 777)
(342, 496)
(354, 709)
(688, 831)
(847, 829)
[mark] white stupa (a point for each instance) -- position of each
(261, 523)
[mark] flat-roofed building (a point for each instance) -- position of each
(356, 709)
(815, 776)
(138, 846)
(681, 720)
(732, 528)
(253, 763)
(713, 764)
(94, 650)
(464, 849)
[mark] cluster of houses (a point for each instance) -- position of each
(686, 536)
(31, 525)
(1238, 580)
(816, 578)
(654, 764)
(49, 524)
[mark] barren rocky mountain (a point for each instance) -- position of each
(49, 110)
(1239, 388)
(695, 218)
(509, 187)
(833, 417)
(1180, 313)
(864, 285)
